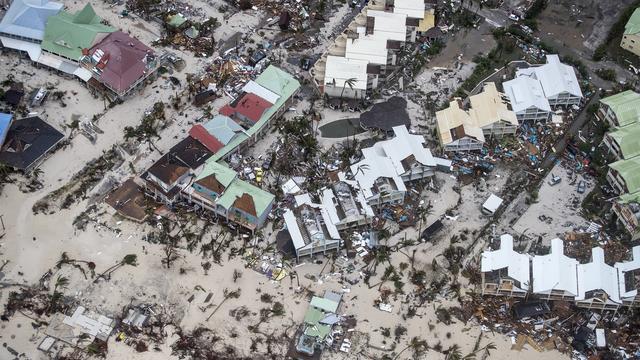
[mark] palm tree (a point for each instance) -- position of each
(61, 283)
(351, 82)
(418, 346)
(130, 259)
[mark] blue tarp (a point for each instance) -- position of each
(5, 124)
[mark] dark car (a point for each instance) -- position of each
(267, 162)
(305, 64)
(256, 57)
(582, 187)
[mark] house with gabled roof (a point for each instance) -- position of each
(65, 37)
(504, 271)
(22, 27)
(527, 99)
(119, 64)
(623, 142)
(631, 36)
(388, 164)
(624, 175)
(246, 109)
(598, 284)
(559, 81)
(629, 279)
(26, 142)
(621, 109)
(554, 274)
(166, 178)
(489, 115)
(217, 188)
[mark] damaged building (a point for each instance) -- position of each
(489, 115)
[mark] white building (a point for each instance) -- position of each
(347, 207)
(629, 279)
(388, 164)
(558, 81)
(554, 274)
(527, 99)
(505, 271)
(598, 283)
(347, 77)
(375, 36)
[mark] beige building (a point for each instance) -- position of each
(489, 115)
(631, 36)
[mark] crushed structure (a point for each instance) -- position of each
(388, 164)
(319, 320)
(489, 115)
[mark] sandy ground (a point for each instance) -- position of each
(557, 209)
(34, 243)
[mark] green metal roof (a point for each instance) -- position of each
(261, 198)
(223, 174)
(67, 34)
(324, 304)
(633, 25)
(313, 316)
(319, 331)
(176, 20)
(277, 81)
(629, 170)
(630, 198)
(626, 106)
(628, 138)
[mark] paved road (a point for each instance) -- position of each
(561, 144)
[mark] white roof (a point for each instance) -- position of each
(367, 48)
(257, 89)
(517, 264)
(597, 275)
(58, 63)
(342, 69)
(388, 25)
(624, 267)
(28, 18)
(34, 50)
(384, 159)
(290, 187)
(493, 203)
(403, 145)
(372, 167)
(411, 8)
(293, 229)
(555, 77)
(525, 92)
(555, 271)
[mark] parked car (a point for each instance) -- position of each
(266, 164)
(554, 180)
(305, 64)
(582, 187)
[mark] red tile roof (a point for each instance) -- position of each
(125, 60)
(248, 105)
(201, 134)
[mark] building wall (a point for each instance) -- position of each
(336, 91)
(533, 114)
(606, 114)
(212, 195)
(613, 147)
(631, 43)
(499, 129)
(616, 181)
(464, 144)
(564, 99)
